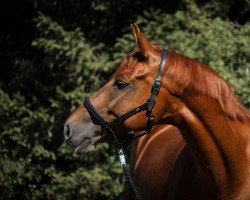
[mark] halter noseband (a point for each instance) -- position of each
(148, 106)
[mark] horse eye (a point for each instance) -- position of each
(120, 84)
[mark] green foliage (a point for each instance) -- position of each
(53, 60)
(35, 162)
(69, 52)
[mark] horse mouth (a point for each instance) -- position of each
(86, 145)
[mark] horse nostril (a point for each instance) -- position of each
(67, 132)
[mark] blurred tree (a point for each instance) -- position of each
(53, 53)
(34, 163)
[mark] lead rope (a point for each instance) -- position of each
(127, 173)
(122, 161)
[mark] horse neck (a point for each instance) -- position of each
(138, 147)
(152, 158)
(161, 137)
(219, 144)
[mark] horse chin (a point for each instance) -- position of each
(87, 145)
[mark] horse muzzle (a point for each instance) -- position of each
(81, 138)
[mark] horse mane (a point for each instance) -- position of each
(196, 77)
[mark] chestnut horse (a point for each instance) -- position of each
(215, 163)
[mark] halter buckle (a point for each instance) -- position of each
(157, 85)
(150, 124)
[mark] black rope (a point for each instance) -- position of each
(131, 183)
(122, 161)
(127, 174)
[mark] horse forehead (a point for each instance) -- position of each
(130, 66)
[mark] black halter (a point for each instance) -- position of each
(148, 106)
(109, 126)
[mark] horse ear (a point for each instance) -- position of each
(141, 40)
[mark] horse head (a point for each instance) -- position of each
(128, 88)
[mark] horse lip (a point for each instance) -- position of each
(82, 144)
(85, 144)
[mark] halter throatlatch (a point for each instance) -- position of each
(109, 126)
